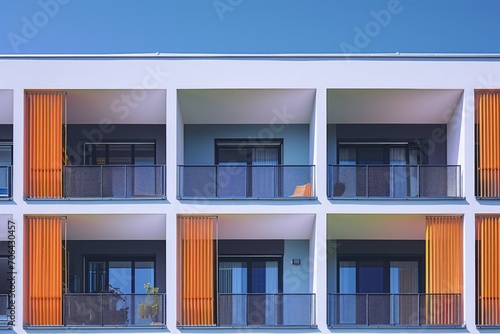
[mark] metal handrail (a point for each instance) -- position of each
(428, 307)
(126, 171)
(206, 181)
(273, 305)
(129, 304)
(416, 186)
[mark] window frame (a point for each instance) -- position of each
(386, 145)
(89, 153)
(116, 258)
(386, 260)
(247, 144)
(249, 259)
(11, 145)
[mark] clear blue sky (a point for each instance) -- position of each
(248, 26)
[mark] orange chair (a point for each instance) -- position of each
(303, 190)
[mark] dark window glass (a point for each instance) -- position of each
(371, 276)
(120, 275)
(5, 155)
(120, 154)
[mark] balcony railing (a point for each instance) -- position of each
(266, 310)
(5, 181)
(252, 182)
(114, 181)
(4, 314)
(394, 181)
(111, 309)
(394, 310)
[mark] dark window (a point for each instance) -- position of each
(365, 153)
(5, 160)
(134, 153)
(247, 152)
(119, 274)
(250, 275)
(380, 275)
(250, 167)
(4, 270)
(5, 154)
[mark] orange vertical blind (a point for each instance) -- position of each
(488, 270)
(444, 269)
(196, 251)
(44, 144)
(43, 281)
(487, 118)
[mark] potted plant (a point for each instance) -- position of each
(151, 304)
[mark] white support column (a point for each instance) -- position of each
(18, 146)
(318, 267)
(318, 144)
(467, 145)
(174, 148)
(171, 272)
(172, 144)
(469, 292)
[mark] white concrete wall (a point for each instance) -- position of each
(320, 74)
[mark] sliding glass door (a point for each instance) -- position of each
(383, 169)
(245, 168)
(248, 288)
(378, 291)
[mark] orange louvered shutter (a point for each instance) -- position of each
(196, 263)
(487, 117)
(43, 279)
(43, 144)
(488, 270)
(444, 274)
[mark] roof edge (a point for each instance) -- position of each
(160, 55)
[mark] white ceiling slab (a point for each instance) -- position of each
(6, 106)
(382, 227)
(246, 106)
(116, 106)
(296, 226)
(392, 106)
(116, 227)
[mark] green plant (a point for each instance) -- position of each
(150, 289)
(149, 307)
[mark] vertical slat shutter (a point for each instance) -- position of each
(44, 144)
(44, 271)
(488, 143)
(444, 274)
(488, 270)
(196, 269)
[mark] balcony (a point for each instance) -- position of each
(114, 310)
(246, 182)
(5, 182)
(266, 310)
(394, 181)
(114, 181)
(401, 310)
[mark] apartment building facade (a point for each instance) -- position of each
(321, 193)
